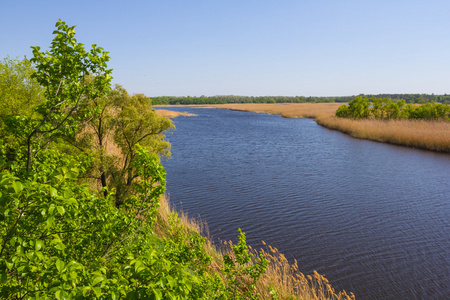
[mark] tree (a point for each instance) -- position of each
(62, 71)
(358, 108)
(59, 239)
(18, 91)
(19, 95)
(136, 124)
(121, 122)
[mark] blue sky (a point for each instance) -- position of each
(253, 48)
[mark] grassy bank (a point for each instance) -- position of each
(427, 135)
(281, 279)
(172, 114)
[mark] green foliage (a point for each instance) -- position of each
(343, 111)
(388, 109)
(61, 240)
(61, 71)
(429, 111)
(241, 268)
(19, 94)
(358, 108)
(127, 121)
(18, 91)
(222, 99)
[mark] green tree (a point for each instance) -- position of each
(60, 240)
(19, 94)
(62, 70)
(358, 108)
(125, 121)
(136, 123)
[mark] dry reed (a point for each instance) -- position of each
(280, 276)
(173, 114)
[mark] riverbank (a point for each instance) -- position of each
(173, 114)
(280, 280)
(426, 135)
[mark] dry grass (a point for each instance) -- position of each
(287, 110)
(288, 282)
(428, 135)
(280, 275)
(172, 114)
(163, 228)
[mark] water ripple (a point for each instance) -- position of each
(373, 218)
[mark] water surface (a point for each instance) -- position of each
(372, 218)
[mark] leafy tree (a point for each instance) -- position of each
(358, 108)
(59, 239)
(19, 93)
(124, 121)
(62, 70)
(388, 109)
(343, 111)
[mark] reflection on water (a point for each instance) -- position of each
(372, 218)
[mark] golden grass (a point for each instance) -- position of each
(287, 110)
(428, 135)
(281, 275)
(172, 114)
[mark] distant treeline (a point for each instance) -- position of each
(188, 100)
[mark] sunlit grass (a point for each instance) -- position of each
(281, 276)
(429, 135)
(172, 114)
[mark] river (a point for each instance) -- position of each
(373, 218)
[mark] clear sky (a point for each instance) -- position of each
(250, 47)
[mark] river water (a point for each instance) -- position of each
(373, 218)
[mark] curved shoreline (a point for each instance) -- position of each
(425, 135)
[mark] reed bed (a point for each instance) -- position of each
(427, 135)
(281, 280)
(172, 114)
(287, 110)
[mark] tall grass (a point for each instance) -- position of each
(172, 114)
(281, 280)
(428, 135)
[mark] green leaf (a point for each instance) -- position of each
(60, 246)
(97, 280)
(39, 244)
(97, 291)
(53, 192)
(50, 221)
(60, 265)
(171, 281)
(17, 186)
(51, 209)
(9, 264)
(158, 294)
(138, 266)
(61, 210)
